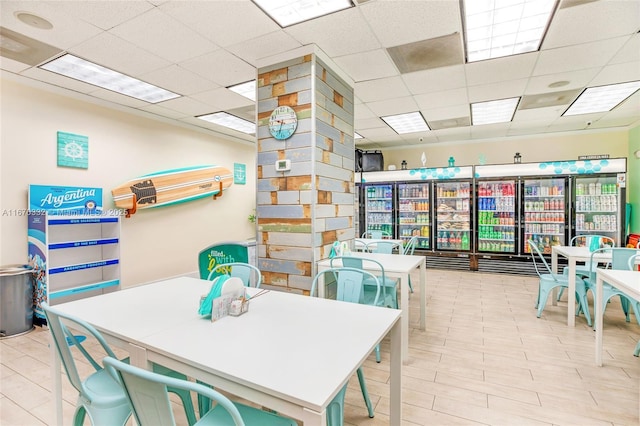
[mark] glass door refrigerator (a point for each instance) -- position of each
(544, 210)
(496, 207)
(378, 208)
(453, 216)
(414, 213)
(597, 203)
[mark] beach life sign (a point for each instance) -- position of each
(66, 200)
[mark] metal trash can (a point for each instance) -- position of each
(16, 300)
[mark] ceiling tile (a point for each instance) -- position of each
(113, 52)
(446, 98)
(370, 65)
(380, 134)
(118, 98)
(630, 52)
(384, 88)
(223, 99)
(186, 105)
(103, 14)
(362, 111)
(444, 113)
(150, 31)
(435, 80)
(163, 112)
(369, 123)
(454, 134)
(542, 100)
(575, 80)
(27, 50)
(264, 46)
(399, 23)
(573, 58)
(337, 34)
(66, 31)
(500, 69)
(179, 80)
(498, 130)
(537, 114)
(450, 123)
(393, 106)
(224, 22)
(221, 67)
(502, 90)
(574, 25)
(427, 54)
(628, 71)
(12, 66)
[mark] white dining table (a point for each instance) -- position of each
(573, 254)
(628, 282)
(290, 353)
(361, 243)
(396, 266)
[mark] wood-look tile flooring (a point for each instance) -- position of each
(485, 359)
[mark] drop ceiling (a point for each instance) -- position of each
(403, 56)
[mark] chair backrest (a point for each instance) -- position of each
(386, 247)
(633, 260)
(585, 240)
(362, 263)
(244, 271)
(65, 341)
(410, 246)
(375, 234)
(148, 397)
(620, 257)
(535, 253)
(350, 284)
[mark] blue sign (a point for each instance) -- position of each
(69, 200)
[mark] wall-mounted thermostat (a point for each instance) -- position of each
(283, 165)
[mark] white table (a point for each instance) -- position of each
(395, 266)
(573, 255)
(361, 243)
(290, 353)
(627, 281)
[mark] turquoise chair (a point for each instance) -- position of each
(146, 392)
(620, 258)
(249, 274)
(386, 247)
(350, 288)
(585, 241)
(549, 281)
(375, 234)
(409, 249)
(389, 296)
(632, 263)
(99, 395)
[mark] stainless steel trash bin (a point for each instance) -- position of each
(16, 300)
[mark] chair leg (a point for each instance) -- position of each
(365, 394)
(378, 354)
(584, 306)
(410, 286)
(560, 294)
(335, 409)
(542, 301)
(636, 352)
(625, 307)
(185, 396)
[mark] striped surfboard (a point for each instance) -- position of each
(171, 187)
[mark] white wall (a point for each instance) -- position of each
(156, 243)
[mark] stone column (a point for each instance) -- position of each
(301, 212)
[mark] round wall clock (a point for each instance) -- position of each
(283, 122)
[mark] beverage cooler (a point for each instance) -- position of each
(379, 208)
(497, 218)
(598, 207)
(545, 213)
(414, 208)
(453, 216)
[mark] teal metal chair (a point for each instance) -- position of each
(633, 260)
(585, 241)
(99, 395)
(375, 234)
(549, 281)
(620, 258)
(409, 249)
(350, 288)
(146, 392)
(386, 247)
(249, 274)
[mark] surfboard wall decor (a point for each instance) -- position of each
(172, 187)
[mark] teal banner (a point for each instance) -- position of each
(216, 254)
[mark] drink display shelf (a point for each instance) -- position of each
(544, 221)
(494, 225)
(509, 240)
(544, 196)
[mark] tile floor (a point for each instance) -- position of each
(485, 359)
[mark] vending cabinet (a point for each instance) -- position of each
(545, 213)
(379, 208)
(414, 213)
(497, 219)
(453, 216)
(597, 204)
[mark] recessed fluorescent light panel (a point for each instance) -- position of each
(602, 98)
(88, 72)
(225, 119)
(500, 111)
(290, 12)
(406, 123)
(497, 28)
(356, 135)
(248, 89)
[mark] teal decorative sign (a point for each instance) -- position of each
(73, 150)
(239, 173)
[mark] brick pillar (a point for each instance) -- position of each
(301, 212)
